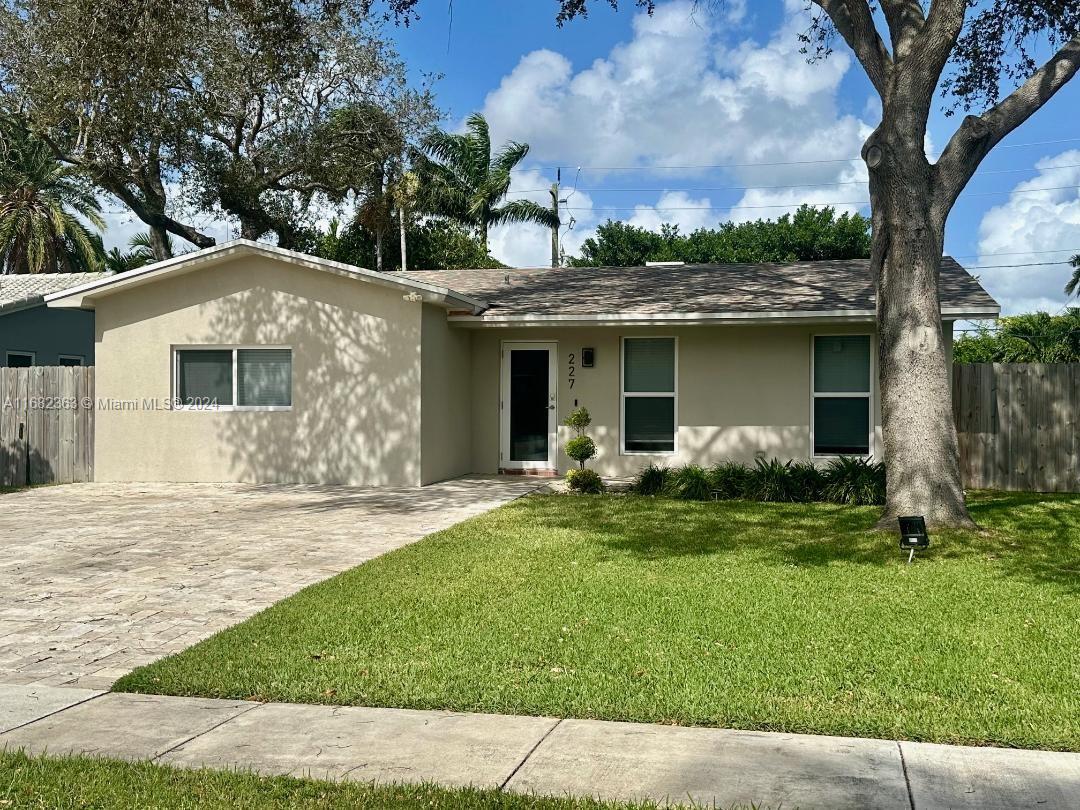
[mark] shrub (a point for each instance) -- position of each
(807, 481)
(854, 481)
(772, 481)
(691, 483)
(585, 481)
(581, 449)
(579, 419)
(652, 480)
(729, 479)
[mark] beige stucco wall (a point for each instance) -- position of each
(355, 417)
(742, 391)
(446, 398)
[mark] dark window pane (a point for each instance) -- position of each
(20, 361)
(529, 405)
(649, 365)
(650, 424)
(70, 361)
(264, 377)
(205, 375)
(842, 363)
(841, 426)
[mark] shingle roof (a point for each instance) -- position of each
(20, 290)
(822, 286)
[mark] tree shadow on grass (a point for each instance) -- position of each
(1028, 535)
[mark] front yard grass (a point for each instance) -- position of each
(786, 617)
(63, 782)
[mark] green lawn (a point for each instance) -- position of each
(71, 782)
(764, 616)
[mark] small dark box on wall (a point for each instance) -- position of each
(913, 534)
(588, 357)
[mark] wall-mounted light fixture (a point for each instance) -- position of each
(588, 358)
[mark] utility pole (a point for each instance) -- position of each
(555, 210)
(401, 224)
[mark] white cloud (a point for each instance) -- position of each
(675, 208)
(1023, 230)
(682, 91)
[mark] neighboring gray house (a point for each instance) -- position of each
(32, 334)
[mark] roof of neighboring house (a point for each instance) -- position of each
(818, 288)
(19, 291)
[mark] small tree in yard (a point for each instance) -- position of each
(580, 449)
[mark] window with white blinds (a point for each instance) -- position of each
(246, 378)
(648, 395)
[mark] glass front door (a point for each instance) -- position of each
(528, 406)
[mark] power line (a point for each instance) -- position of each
(759, 188)
(793, 204)
(763, 163)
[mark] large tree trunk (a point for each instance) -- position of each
(159, 242)
(921, 455)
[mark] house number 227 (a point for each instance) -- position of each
(571, 367)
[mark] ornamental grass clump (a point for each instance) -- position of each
(729, 480)
(652, 480)
(690, 483)
(581, 448)
(772, 481)
(855, 481)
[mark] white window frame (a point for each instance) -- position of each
(871, 395)
(14, 353)
(177, 406)
(623, 394)
(79, 357)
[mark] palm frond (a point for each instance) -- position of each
(524, 211)
(1073, 287)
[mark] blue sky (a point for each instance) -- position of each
(724, 86)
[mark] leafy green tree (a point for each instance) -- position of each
(810, 234)
(464, 182)
(41, 203)
(432, 245)
(230, 102)
(1033, 338)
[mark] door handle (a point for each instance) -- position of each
(551, 407)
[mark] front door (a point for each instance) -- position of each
(528, 406)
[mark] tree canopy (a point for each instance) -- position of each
(809, 234)
(1034, 338)
(201, 106)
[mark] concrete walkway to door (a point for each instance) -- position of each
(544, 755)
(97, 579)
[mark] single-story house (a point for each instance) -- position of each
(32, 334)
(245, 362)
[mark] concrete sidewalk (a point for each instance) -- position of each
(536, 754)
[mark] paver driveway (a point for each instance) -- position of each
(96, 579)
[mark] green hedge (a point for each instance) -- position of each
(843, 480)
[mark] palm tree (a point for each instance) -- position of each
(41, 202)
(1074, 283)
(117, 261)
(462, 181)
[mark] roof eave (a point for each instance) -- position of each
(701, 318)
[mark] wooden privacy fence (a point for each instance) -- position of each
(1018, 425)
(46, 425)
